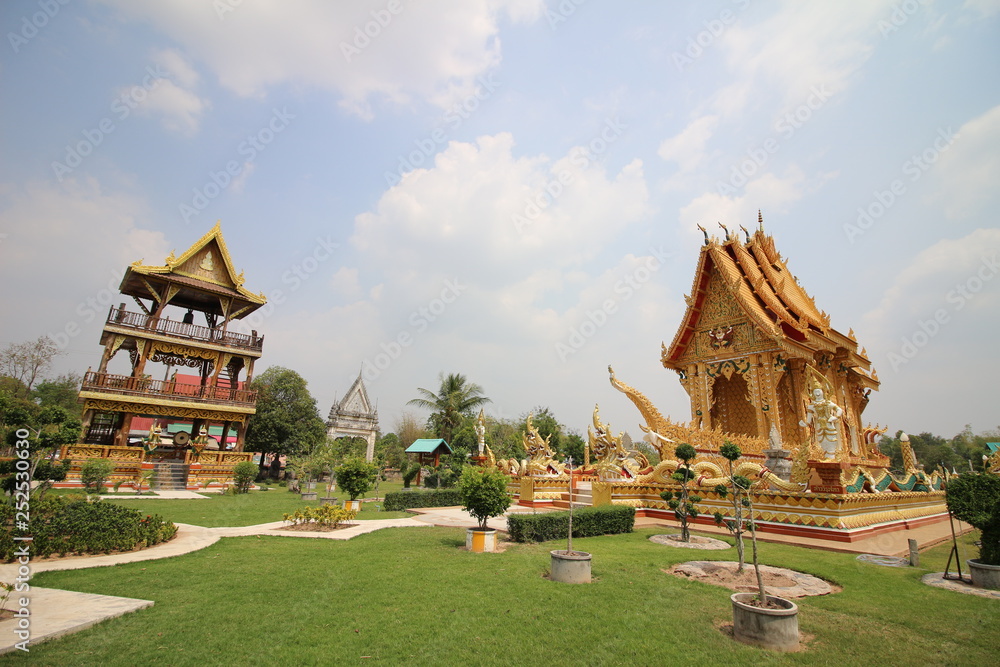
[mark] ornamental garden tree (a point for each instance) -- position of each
(356, 476)
(484, 493)
(682, 502)
(975, 499)
(740, 485)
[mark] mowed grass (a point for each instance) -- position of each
(415, 596)
(252, 508)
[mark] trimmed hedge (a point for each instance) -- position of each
(396, 501)
(587, 522)
(59, 526)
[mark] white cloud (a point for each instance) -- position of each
(969, 169)
(424, 52)
(687, 148)
(71, 243)
(171, 97)
(801, 46)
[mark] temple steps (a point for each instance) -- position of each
(169, 476)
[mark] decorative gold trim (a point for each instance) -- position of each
(161, 408)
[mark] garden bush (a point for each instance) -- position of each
(587, 522)
(326, 516)
(62, 526)
(396, 501)
(244, 474)
(95, 472)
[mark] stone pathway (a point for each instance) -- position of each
(937, 580)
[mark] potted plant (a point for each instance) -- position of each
(484, 495)
(758, 618)
(975, 499)
(355, 477)
(569, 566)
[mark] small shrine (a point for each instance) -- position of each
(355, 416)
(184, 319)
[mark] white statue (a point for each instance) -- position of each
(823, 415)
(481, 431)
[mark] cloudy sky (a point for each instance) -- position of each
(510, 188)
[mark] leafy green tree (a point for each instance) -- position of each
(61, 391)
(682, 502)
(975, 499)
(287, 421)
(484, 493)
(389, 449)
(455, 399)
(356, 476)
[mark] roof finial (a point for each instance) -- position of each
(726, 230)
(745, 232)
(760, 219)
(705, 232)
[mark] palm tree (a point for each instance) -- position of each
(455, 399)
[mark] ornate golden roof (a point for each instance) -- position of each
(757, 278)
(206, 261)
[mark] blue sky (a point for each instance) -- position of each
(512, 190)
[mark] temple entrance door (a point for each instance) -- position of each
(732, 411)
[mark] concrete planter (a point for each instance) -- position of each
(481, 541)
(571, 567)
(983, 575)
(329, 501)
(308, 495)
(352, 505)
(775, 629)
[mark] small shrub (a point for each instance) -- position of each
(484, 493)
(244, 474)
(326, 516)
(356, 476)
(94, 473)
(587, 522)
(396, 501)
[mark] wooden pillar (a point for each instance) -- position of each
(225, 435)
(241, 432)
(121, 437)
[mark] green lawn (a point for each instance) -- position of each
(251, 508)
(414, 596)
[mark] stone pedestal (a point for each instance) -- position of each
(831, 474)
(778, 462)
